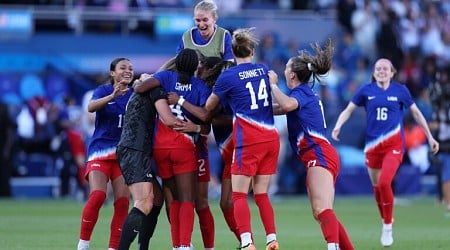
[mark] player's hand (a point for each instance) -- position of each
(145, 76)
(120, 90)
(335, 134)
(136, 82)
(172, 98)
(273, 77)
(434, 145)
(187, 127)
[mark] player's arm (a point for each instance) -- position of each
(200, 112)
(165, 114)
(144, 84)
(190, 127)
(420, 119)
(282, 103)
(343, 117)
(99, 103)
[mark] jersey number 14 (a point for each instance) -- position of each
(262, 94)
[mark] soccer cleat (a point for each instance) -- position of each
(249, 246)
(386, 236)
(273, 245)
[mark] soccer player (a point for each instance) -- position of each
(174, 151)
(134, 152)
(108, 101)
(384, 101)
(211, 41)
(245, 87)
(207, 37)
(307, 136)
(209, 69)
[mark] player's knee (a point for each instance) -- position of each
(201, 203)
(384, 184)
(145, 204)
(316, 210)
(96, 198)
(226, 204)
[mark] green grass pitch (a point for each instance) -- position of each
(420, 223)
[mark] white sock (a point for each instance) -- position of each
(270, 238)
(387, 226)
(246, 238)
(83, 244)
(333, 246)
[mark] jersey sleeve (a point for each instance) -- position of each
(227, 52)
(99, 92)
(180, 46)
(157, 94)
(163, 78)
(406, 97)
(296, 94)
(358, 99)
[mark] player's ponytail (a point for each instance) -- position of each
(306, 65)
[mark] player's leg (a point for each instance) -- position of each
(240, 186)
(266, 168)
(226, 205)
(260, 188)
(98, 185)
(186, 187)
(205, 217)
(142, 193)
(391, 163)
(321, 195)
(121, 206)
(150, 221)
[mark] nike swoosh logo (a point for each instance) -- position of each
(201, 174)
(111, 103)
(396, 152)
(136, 231)
(87, 221)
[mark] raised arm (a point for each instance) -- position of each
(99, 103)
(145, 83)
(165, 113)
(200, 112)
(420, 119)
(282, 103)
(343, 117)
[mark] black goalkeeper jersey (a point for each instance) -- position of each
(139, 120)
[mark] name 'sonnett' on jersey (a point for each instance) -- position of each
(251, 73)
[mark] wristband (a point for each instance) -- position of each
(180, 101)
(199, 128)
(274, 86)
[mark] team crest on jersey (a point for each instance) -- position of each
(392, 98)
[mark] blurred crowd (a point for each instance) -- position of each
(413, 34)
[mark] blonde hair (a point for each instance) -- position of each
(208, 6)
(244, 41)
